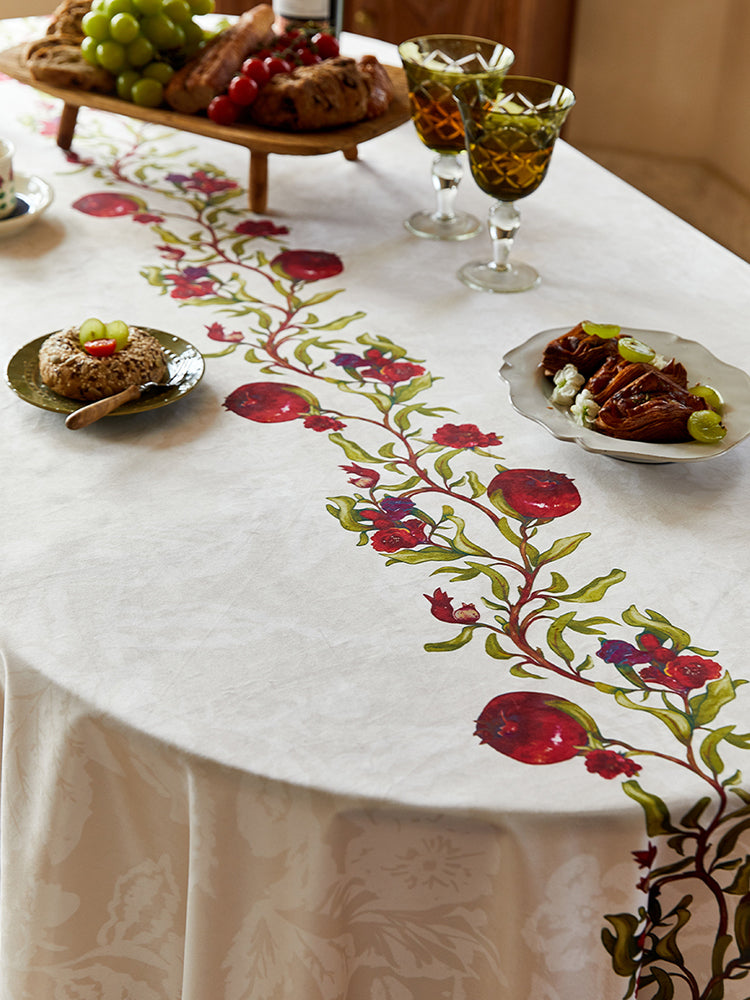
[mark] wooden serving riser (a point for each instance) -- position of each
(258, 141)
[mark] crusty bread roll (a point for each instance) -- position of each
(58, 62)
(329, 94)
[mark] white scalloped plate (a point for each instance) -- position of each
(530, 390)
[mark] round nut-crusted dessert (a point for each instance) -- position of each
(66, 368)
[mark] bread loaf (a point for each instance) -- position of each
(66, 20)
(58, 62)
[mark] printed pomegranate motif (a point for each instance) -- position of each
(107, 205)
(535, 492)
(530, 727)
(267, 402)
(308, 265)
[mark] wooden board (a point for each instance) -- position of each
(259, 141)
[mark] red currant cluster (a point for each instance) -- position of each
(295, 47)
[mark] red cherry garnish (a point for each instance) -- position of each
(100, 348)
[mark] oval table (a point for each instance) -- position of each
(338, 677)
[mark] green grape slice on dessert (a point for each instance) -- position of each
(635, 350)
(711, 396)
(604, 330)
(706, 426)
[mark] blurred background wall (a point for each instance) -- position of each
(662, 86)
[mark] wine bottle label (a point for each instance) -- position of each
(302, 10)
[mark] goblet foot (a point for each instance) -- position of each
(487, 276)
(431, 226)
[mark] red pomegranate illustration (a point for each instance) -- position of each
(108, 205)
(268, 402)
(535, 492)
(531, 727)
(308, 265)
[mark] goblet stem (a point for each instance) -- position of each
(447, 171)
(503, 222)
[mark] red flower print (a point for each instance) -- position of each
(379, 518)
(318, 422)
(308, 265)
(260, 227)
(187, 288)
(645, 859)
(464, 436)
(107, 205)
(199, 180)
(609, 764)
(536, 493)
(405, 536)
(531, 727)
(171, 253)
(399, 371)
(267, 402)
(216, 331)
(364, 478)
(442, 608)
(682, 673)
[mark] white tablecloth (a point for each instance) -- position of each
(243, 659)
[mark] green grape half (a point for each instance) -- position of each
(91, 329)
(118, 331)
(711, 396)
(635, 350)
(604, 330)
(706, 426)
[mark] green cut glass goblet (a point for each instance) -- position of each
(434, 64)
(511, 127)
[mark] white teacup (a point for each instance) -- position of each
(7, 185)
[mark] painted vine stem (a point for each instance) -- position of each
(211, 258)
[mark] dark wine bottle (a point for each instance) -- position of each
(325, 15)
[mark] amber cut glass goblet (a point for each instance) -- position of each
(511, 127)
(434, 64)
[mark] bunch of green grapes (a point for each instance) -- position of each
(141, 42)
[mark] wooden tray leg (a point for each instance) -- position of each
(67, 126)
(258, 193)
(352, 153)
